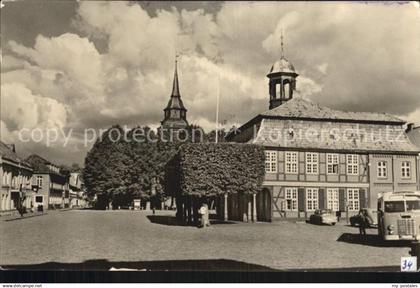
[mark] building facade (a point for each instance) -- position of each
(15, 179)
(413, 132)
(76, 193)
(317, 157)
(52, 186)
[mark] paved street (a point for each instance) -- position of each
(86, 239)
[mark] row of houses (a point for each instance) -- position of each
(38, 181)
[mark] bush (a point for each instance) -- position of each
(210, 169)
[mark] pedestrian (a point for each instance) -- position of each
(204, 213)
(364, 223)
(338, 215)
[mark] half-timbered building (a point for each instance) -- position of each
(318, 157)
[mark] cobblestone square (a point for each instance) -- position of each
(77, 239)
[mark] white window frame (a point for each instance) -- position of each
(353, 201)
(291, 197)
(312, 199)
(4, 179)
(382, 169)
(333, 160)
(333, 202)
(39, 180)
(406, 170)
(291, 162)
(270, 161)
(352, 167)
(312, 163)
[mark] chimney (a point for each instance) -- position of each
(12, 147)
(410, 127)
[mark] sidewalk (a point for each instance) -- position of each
(16, 216)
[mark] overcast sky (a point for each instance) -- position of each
(77, 65)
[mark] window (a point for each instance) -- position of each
(332, 199)
(311, 163)
(291, 162)
(292, 199)
(353, 199)
(332, 163)
(311, 199)
(394, 206)
(39, 181)
(14, 181)
(382, 173)
(352, 164)
(5, 179)
(406, 169)
(270, 161)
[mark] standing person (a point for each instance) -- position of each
(364, 222)
(204, 215)
(153, 196)
(338, 214)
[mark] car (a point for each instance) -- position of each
(323, 216)
(372, 217)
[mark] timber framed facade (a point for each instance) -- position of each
(318, 157)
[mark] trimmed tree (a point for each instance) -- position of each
(204, 171)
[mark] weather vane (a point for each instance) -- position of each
(282, 45)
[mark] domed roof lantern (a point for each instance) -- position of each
(282, 77)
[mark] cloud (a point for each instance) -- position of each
(347, 56)
(22, 109)
(414, 117)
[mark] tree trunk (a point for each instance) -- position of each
(184, 209)
(254, 207)
(248, 216)
(225, 210)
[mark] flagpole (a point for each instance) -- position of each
(217, 107)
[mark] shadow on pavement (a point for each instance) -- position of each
(165, 220)
(353, 269)
(25, 217)
(172, 221)
(173, 265)
(371, 240)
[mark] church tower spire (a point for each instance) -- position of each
(175, 113)
(175, 88)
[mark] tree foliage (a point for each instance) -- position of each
(209, 169)
(136, 164)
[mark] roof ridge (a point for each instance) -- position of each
(299, 107)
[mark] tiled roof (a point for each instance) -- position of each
(300, 108)
(7, 153)
(40, 164)
(175, 102)
(414, 136)
(305, 134)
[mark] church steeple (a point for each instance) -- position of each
(175, 88)
(175, 113)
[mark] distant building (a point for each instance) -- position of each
(15, 179)
(413, 132)
(76, 192)
(53, 187)
(175, 113)
(317, 157)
